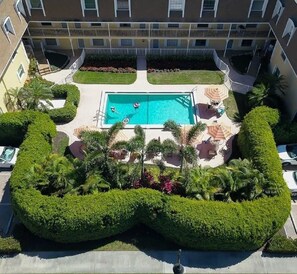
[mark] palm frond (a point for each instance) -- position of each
(194, 132)
(174, 128)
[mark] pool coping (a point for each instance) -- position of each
(102, 106)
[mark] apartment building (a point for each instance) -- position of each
(14, 62)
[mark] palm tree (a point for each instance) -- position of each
(98, 147)
(184, 139)
(198, 185)
(13, 99)
(54, 176)
(33, 93)
(268, 91)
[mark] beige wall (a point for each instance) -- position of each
(10, 78)
(291, 79)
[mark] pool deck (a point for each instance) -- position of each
(88, 112)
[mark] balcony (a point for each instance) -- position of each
(143, 33)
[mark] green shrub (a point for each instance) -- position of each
(281, 244)
(190, 223)
(33, 67)
(71, 94)
(9, 245)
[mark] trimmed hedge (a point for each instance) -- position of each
(68, 112)
(190, 223)
(281, 244)
(9, 245)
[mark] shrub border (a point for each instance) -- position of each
(68, 112)
(190, 223)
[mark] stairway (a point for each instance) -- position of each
(43, 65)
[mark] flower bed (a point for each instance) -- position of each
(115, 64)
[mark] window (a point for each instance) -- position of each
(172, 43)
(246, 43)
(176, 4)
(289, 30)
(89, 5)
(98, 42)
(77, 25)
(64, 25)
(209, 5)
(21, 71)
(81, 43)
(123, 5)
(46, 23)
(95, 24)
(204, 26)
(258, 6)
(142, 26)
(155, 26)
(7, 26)
(35, 4)
(126, 42)
(283, 56)
(278, 10)
(124, 25)
(200, 43)
(173, 25)
(50, 42)
(19, 8)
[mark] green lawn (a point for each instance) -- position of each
(236, 106)
(92, 77)
(186, 77)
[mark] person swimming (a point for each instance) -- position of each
(113, 109)
(136, 105)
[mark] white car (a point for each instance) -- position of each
(288, 154)
(291, 179)
(8, 156)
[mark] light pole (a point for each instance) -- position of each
(178, 267)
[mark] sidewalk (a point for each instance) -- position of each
(146, 262)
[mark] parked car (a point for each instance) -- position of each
(8, 156)
(291, 179)
(288, 154)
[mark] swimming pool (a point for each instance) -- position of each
(154, 108)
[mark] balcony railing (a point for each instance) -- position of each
(145, 33)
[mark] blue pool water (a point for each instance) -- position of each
(154, 108)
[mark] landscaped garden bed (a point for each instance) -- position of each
(105, 69)
(183, 70)
(192, 223)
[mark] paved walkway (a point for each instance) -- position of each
(146, 262)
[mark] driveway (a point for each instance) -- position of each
(5, 205)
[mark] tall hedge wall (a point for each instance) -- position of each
(191, 223)
(68, 112)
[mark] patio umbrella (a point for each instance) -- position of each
(78, 131)
(216, 94)
(121, 136)
(219, 131)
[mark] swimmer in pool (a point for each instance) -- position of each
(113, 109)
(136, 105)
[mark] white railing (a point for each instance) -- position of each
(229, 83)
(75, 66)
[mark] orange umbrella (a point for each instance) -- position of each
(219, 131)
(216, 94)
(78, 131)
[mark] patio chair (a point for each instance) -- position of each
(212, 153)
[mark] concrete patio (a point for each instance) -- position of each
(91, 95)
